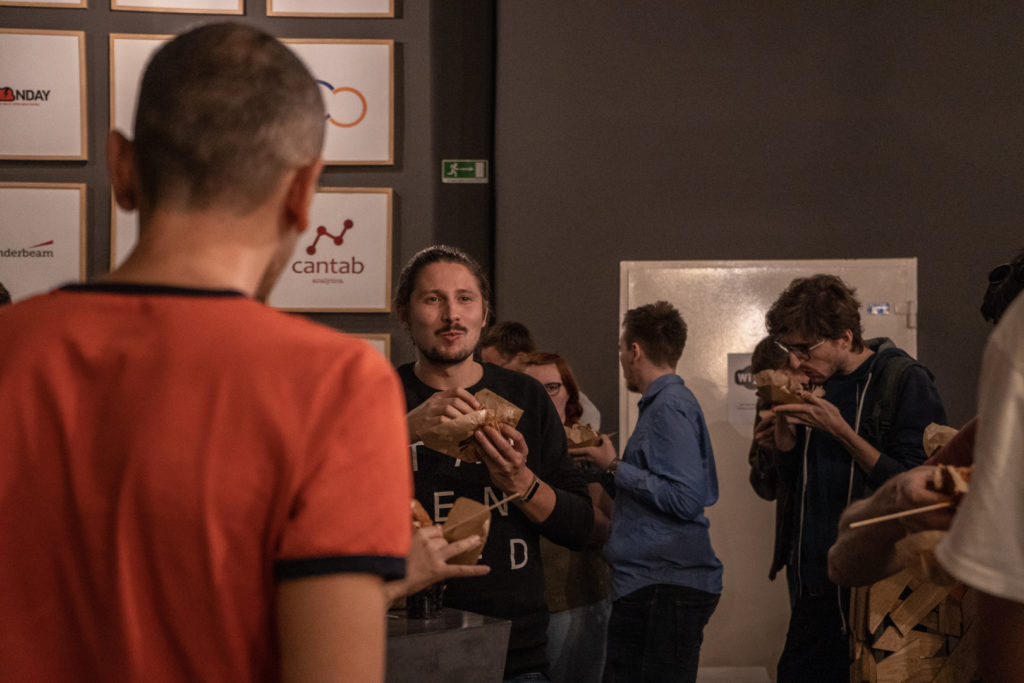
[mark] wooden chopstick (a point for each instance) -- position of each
(480, 512)
(904, 513)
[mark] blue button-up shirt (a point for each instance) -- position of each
(659, 534)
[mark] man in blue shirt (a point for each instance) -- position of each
(666, 580)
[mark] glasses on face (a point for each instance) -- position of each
(552, 387)
(801, 351)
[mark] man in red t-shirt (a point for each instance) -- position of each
(194, 486)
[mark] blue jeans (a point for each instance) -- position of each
(655, 633)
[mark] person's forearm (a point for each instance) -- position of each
(862, 452)
(864, 555)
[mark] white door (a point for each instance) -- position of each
(723, 304)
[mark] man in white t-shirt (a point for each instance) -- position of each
(985, 545)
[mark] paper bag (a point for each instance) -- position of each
(467, 518)
(581, 436)
(455, 437)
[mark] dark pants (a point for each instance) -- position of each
(817, 648)
(654, 634)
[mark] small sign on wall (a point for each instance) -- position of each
(42, 95)
(475, 171)
(42, 236)
(342, 262)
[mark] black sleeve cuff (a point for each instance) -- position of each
(386, 567)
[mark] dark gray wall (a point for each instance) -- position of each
(738, 130)
(666, 130)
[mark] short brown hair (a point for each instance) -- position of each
(573, 407)
(821, 306)
(768, 356)
(224, 111)
(508, 337)
(659, 329)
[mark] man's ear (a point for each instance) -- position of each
(300, 194)
(121, 170)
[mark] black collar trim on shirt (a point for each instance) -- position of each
(150, 290)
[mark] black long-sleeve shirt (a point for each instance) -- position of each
(514, 588)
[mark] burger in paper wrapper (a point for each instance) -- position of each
(775, 387)
(581, 436)
(455, 437)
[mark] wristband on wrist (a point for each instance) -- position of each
(612, 466)
(530, 491)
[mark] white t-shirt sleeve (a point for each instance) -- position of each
(985, 546)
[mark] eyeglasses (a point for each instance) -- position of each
(801, 351)
(552, 387)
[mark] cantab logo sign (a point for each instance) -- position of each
(344, 263)
(329, 266)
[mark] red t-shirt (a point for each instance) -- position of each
(166, 456)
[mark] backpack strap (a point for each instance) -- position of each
(891, 378)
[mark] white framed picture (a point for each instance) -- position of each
(42, 236)
(357, 81)
(79, 4)
(129, 54)
(342, 262)
(42, 95)
(182, 6)
(331, 8)
(381, 342)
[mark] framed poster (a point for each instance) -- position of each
(357, 81)
(46, 3)
(42, 95)
(331, 8)
(381, 342)
(42, 236)
(129, 54)
(183, 6)
(342, 262)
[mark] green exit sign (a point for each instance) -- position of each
(464, 171)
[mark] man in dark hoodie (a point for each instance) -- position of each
(866, 429)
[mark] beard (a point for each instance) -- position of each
(439, 358)
(436, 358)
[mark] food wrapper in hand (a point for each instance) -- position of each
(467, 517)
(581, 436)
(455, 437)
(775, 386)
(936, 436)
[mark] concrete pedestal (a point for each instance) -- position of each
(456, 646)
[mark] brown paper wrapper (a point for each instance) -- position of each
(775, 386)
(420, 517)
(936, 436)
(581, 436)
(455, 437)
(467, 517)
